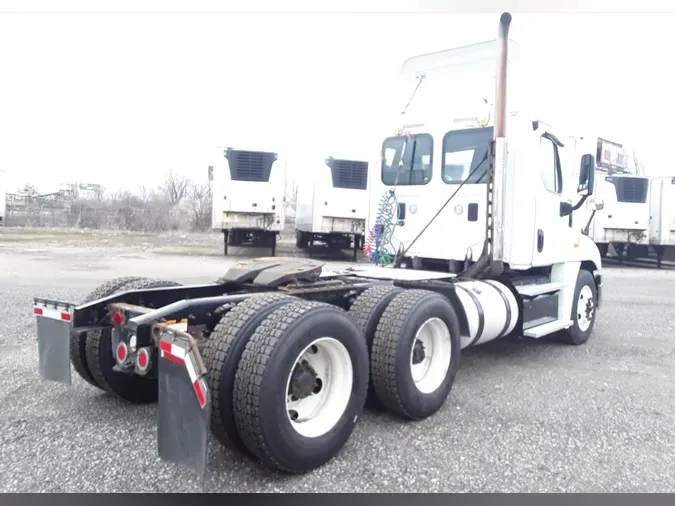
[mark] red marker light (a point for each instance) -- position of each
(117, 318)
(121, 352)
(143, 359)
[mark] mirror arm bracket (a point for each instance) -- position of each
(587, 228)
(580, 203)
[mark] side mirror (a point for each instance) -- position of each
(586, 175)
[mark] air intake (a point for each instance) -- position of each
(630, 189)
(349, 174)
(253, 166)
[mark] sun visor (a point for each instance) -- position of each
(482, 53)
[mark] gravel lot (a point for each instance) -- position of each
(522, 417)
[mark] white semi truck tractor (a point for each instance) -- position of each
(278, 358)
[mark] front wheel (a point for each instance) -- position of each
(584, 310)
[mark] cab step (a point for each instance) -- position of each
(532, 290)
(547, 328)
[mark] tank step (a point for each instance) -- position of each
(547, 328)
(538, 289)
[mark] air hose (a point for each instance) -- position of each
(382, 231)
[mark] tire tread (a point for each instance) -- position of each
(78, 352)
(217, 348)
(271, 332)
(131, 391)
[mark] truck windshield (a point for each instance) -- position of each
(415, 171)
(463, 150)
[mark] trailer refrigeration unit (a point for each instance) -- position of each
(623, 221)
(662, 210)
(248, 198)
(332, 205)
(279, 357)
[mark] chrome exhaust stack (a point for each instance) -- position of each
(490, 263)
(502, 65)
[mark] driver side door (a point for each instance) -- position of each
(551, 229)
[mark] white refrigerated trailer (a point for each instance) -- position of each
(662, 209)
(623, 222)
(332, 205)
(248, 189)
(3, 197)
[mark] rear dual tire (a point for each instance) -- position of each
(413, 339)
(366, 311)
(415, 354)
(92, 356)
(78, 342)
(254, 377)
(222, 354)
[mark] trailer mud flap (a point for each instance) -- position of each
(184, 405)
(54, 328)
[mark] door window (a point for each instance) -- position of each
(549, 162)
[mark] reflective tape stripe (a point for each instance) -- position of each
(54, 314)
(185, 358)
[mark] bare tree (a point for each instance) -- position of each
(143, 193)
(99, 193)
(639, 166)
(291, 195)
(175, 187)
(29, 190)
(200, 199)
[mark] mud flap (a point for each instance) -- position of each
(184, 409)
(54, 328)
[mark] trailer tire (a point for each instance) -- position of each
(262, 413)
(78, 342)
(395, 342)
(585, 292)
(366, 312)
(131, 388)
(222, 353)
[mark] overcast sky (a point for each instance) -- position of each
(118, 99)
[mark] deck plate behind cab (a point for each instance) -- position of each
(273, 271)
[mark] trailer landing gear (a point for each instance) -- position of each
(660, 251)
(250, 238)
(333, 242)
